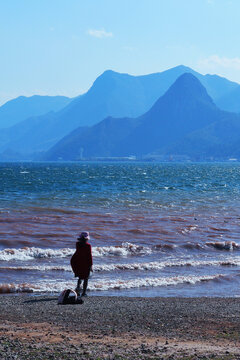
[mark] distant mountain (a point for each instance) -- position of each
(30, 135)
(111, 95)
(230, 101)
(185, 108)
(219, 140)
(21, 108)
(99, 140)
(216, 85)
(122, 95)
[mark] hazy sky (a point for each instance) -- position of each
(61, 46)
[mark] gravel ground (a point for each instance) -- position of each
(35, 327)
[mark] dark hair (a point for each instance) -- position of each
(82, 239)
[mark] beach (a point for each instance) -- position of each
(119, 328)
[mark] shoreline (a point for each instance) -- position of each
(119, 328)
(95, 294)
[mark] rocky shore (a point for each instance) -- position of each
(35, 327)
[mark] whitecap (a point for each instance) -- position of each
(29, 253)
(117, 284)
(147, 266)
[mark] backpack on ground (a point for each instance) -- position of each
(69, 296)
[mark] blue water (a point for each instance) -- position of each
(157, 229)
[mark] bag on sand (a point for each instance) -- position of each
(69, 296)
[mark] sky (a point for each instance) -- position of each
(59, 47)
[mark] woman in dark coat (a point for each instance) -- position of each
(81, 261)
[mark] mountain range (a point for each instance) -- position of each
(183, 117)
(149, 109)
(112, 94)
(21, 108)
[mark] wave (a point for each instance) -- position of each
(136, 231)
(148, 266)
(42, 268)
(224, 245)
(192, 246)
(29, 253)
(125, 249)
(155, 265)
(118, 284)
(188, 229)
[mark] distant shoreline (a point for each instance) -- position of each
(121, 327)
(120, 161)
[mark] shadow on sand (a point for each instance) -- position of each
(41, 300)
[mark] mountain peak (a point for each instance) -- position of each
(183, 68)
(109, 72)
(187, 79)
(107, 78)
(188, 86)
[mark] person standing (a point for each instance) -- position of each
(81, 261)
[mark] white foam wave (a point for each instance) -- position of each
(158, 265)
(29, 253)
(195, 263)
(97, 268)
(117, 284)
(150, 282)
(125, 249)
(148, 266)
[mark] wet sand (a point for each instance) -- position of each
(35, 327)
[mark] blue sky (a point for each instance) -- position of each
(61, 46)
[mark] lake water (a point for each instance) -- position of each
(157, 229)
